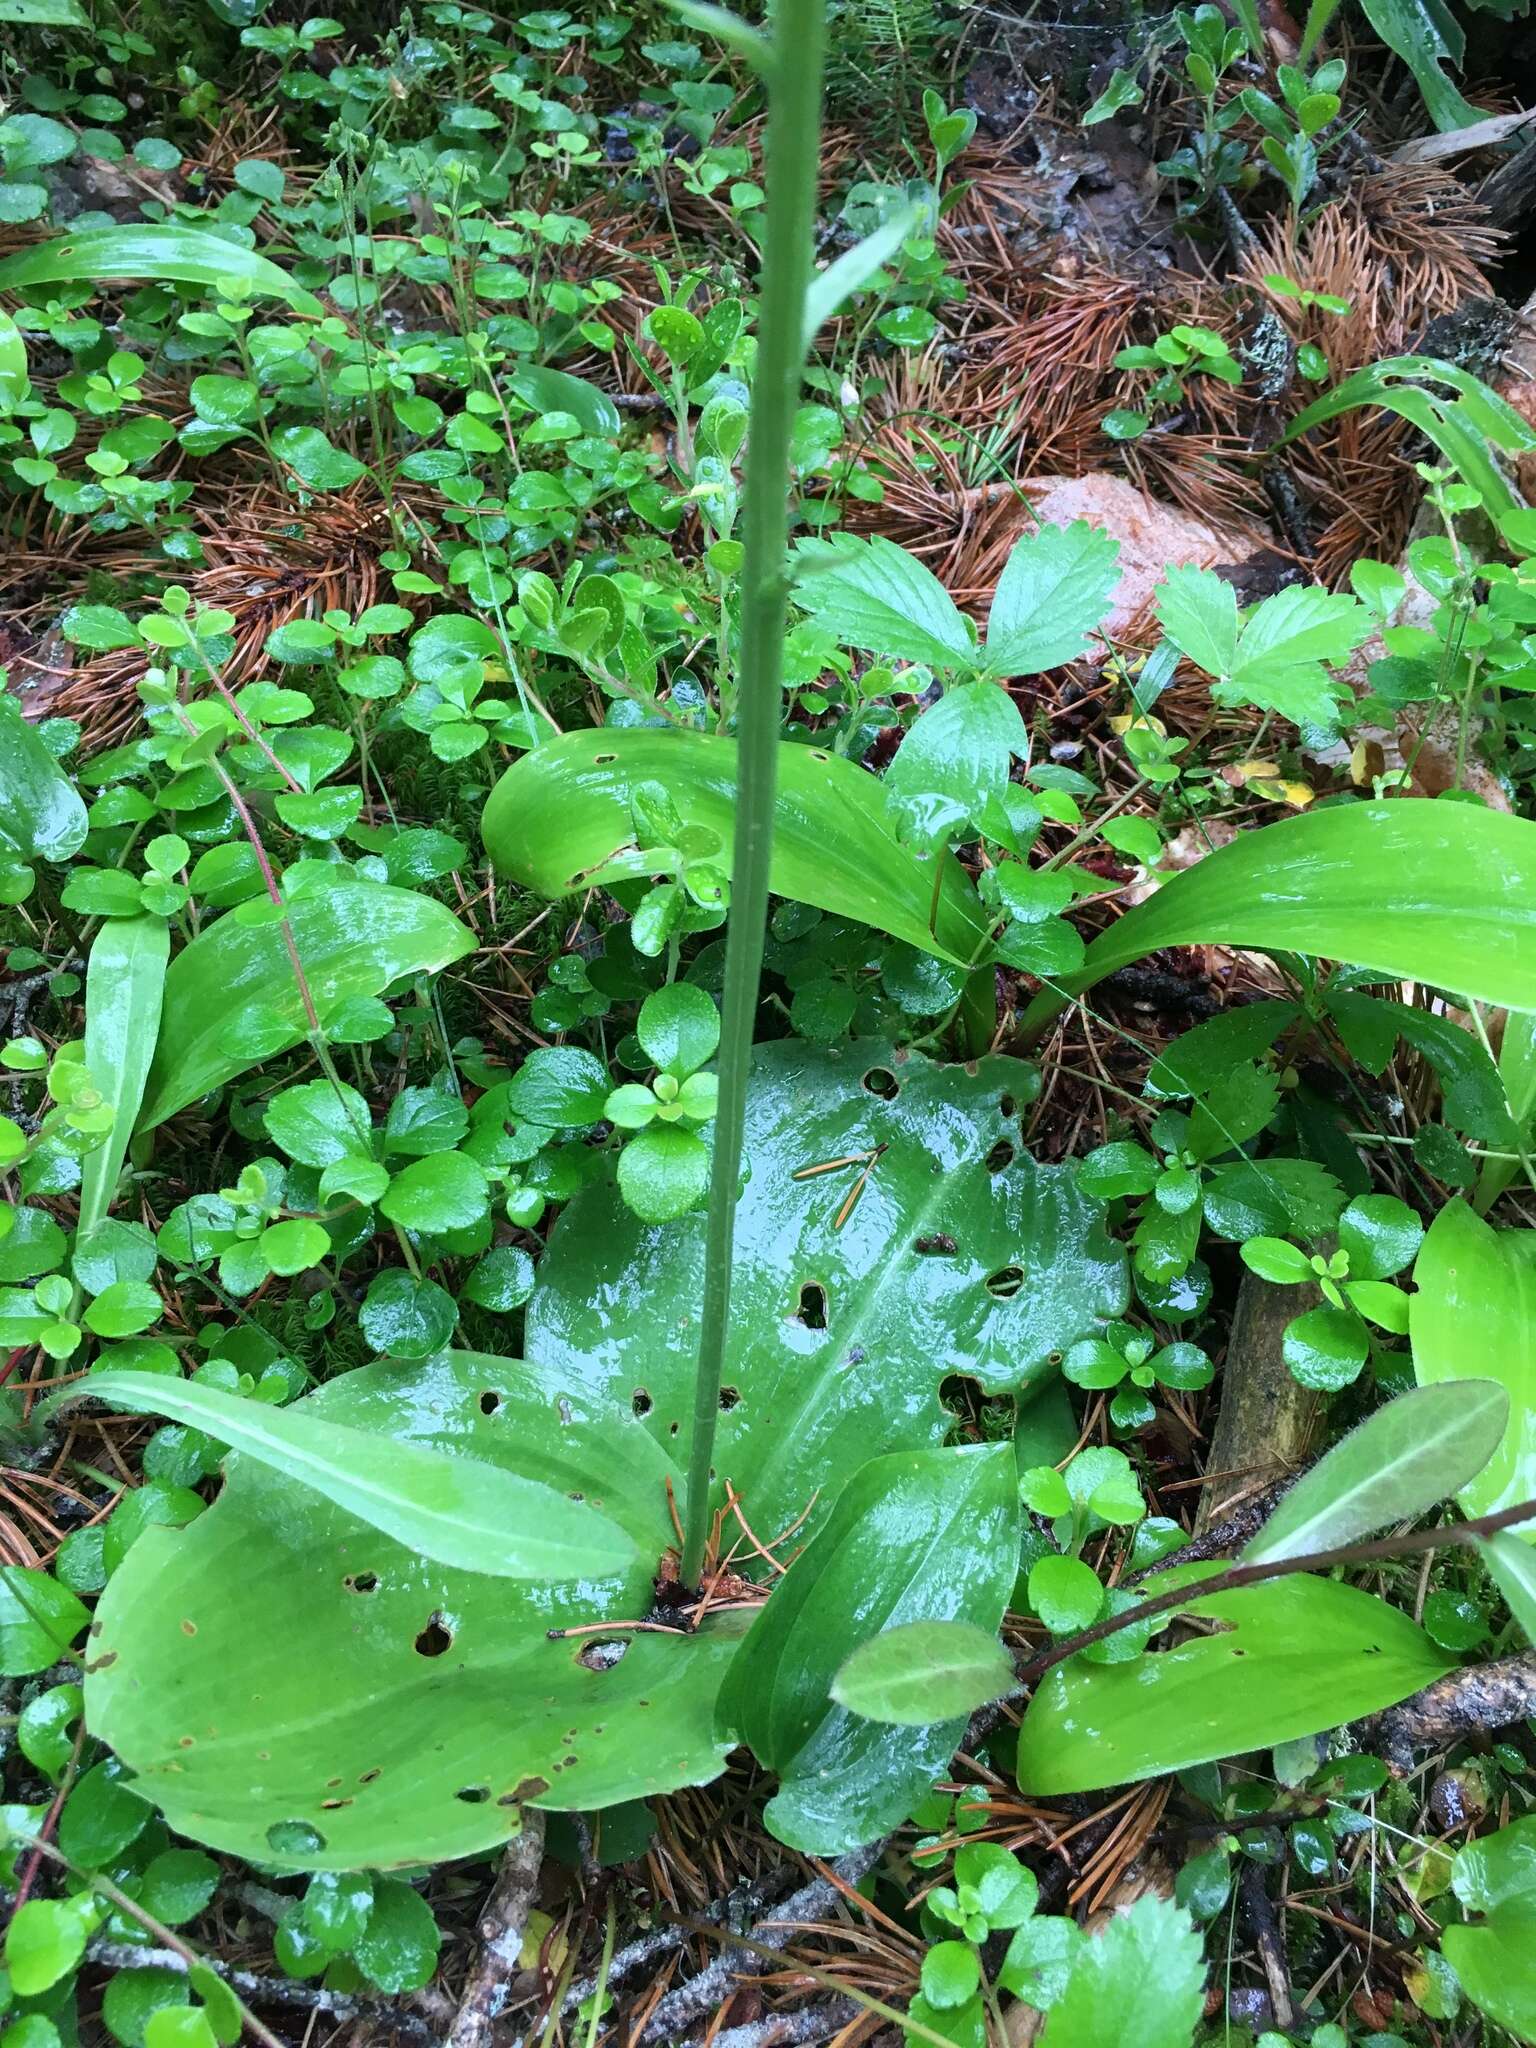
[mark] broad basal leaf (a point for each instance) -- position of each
(390, 1711)
(294, 1686)
(1430, 891)
(1296, 1656)
(1418, 1449)
(921, 1536)
(231, 997)
(561, 820)
(1054, 590)
(873, 595)
(1473, 1317)
(460, 1511)
(853, 1294)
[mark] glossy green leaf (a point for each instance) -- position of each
(160, 252)
(41, 814)
(231, 998)
(1456, 410)
(1298, 1655)
(1427, 36)
(921, 1536)
(959, 1255)
(454, 1511)
(1438, 892)
(1512, 1567)
(1139, 1982)
(1473, 1316)
(1418, 1449)
(962, 748)
(1496, 1877)
(548, 390)
(559, 820)
(13, 365)
(124, 983)
(392, 1711)
(922, 1671)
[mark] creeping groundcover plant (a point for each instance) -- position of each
(872, 1281)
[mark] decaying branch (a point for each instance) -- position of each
(500, 1928)
(1478, 1697)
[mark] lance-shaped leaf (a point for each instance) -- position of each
(1443, 893)
(231, 997)
(831, 288)
(1473, 1316)
(560, 820)
(922, 1536)
(1418, 1449)
(1296, 1655)
(457, 1511)
(161, 252)
(13, 364)
(124, 983)
(41, 815)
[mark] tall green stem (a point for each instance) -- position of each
(792, 161)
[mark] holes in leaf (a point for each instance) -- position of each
(294, 1838)
(602, 1656)
(473, 1795)
(434, 1639)
(936, 1246)
(361, 1582)
(817, 756)
(525, 1788)
(882, 1082)
(1000, 1156)
(367, 1777)
(729, 1396)
(490, 1401)
(1007, 1105)
(1005, 1283)
(331, 1805)
(602, 760)
(811, 1309)
(640, 1401)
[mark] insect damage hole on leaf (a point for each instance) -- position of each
(811, 1308)
(361, 1582)
(1005, 1283)
(434, 1639)
(882, 1082)
(1002, 1155)
(640, 1402)
(602, 1656)
(490, 1401)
